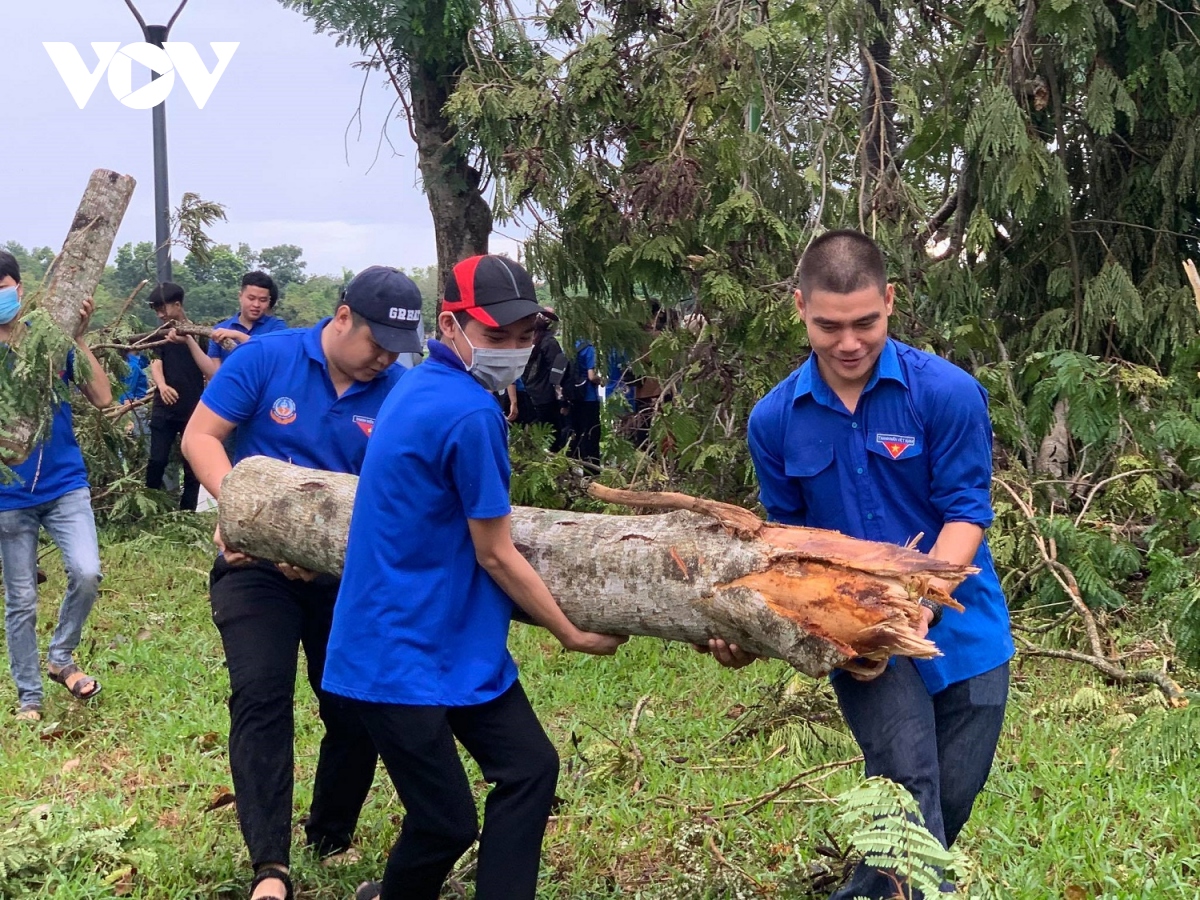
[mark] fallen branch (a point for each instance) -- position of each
(1066, 580)
(157, 338)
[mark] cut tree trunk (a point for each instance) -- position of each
(814, 598)
(73, 277)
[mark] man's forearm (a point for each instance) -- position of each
(207, 457)
(957, 542)
(207, 365)
(521, 582)
(97, 388)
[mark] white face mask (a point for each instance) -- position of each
(495, 369)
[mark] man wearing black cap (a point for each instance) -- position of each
(310, 397)
(420, 631)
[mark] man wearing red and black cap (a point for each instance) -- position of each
(420, 630)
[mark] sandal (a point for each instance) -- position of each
(266, 873)
(29, 712)
(369, 890)
(79, 688)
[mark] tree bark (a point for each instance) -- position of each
(72, 277)
(462, 219)
(814, 598)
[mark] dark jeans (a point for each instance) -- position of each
(939, 747)
(585, 422)
(163, 432)
(551, 414)
(263, 618)
(504, 736)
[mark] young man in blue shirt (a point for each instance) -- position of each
(881, 441)
(419, 639)
(50, 491)
(256, 301)
(310, 397)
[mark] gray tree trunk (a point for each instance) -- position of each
(72, 277)
(814, 598)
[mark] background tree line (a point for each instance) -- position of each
(212, 283)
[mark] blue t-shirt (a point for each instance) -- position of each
(265, 325)
(418, 621)
(915, 454)
(134, 385)
(277, 391)
(585, 358)
(54, 467)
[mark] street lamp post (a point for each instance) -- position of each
(156, 35)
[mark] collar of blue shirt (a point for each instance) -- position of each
(811, 383)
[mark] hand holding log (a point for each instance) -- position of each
(814, 598)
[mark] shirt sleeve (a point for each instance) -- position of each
(478, 465)
(214, 349)
(780, 497)
(234, 392)
(587, 358)
(959, 440)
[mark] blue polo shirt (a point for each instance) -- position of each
(278, 392)
(914, 455)
(55, 467)
(585, 358)
(265, 325)
(418, 621)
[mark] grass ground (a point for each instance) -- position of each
(667, 762)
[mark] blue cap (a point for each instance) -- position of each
(390, 302)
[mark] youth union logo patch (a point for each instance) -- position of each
(283, 411)
(366, 424)
(895, 444)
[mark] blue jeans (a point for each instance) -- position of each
(71, 525)
(939, 747)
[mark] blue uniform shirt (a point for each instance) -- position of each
(265, 325)
(55, 467)
(418, 621)
(914, 455)
(277, 390)
(134, 384)
(585, 358)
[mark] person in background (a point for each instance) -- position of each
(178, 382)
(309, 397)
(432, 580)
(585, 404)
(50, 490)
(543, 377)
(134, 387)
(256, 300)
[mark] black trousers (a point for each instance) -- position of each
(163, 432)
(504, 736)
(585, 423)
(263, 618)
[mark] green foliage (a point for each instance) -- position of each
(51, 839)
(889, 832)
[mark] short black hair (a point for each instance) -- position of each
(842, 262)
(9, 267)
(262, 280)
(167, 292)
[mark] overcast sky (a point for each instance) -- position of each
(271, 143)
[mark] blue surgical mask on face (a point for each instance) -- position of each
(10, 304)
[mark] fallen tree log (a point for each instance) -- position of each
(814, 598)
(71, 278)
